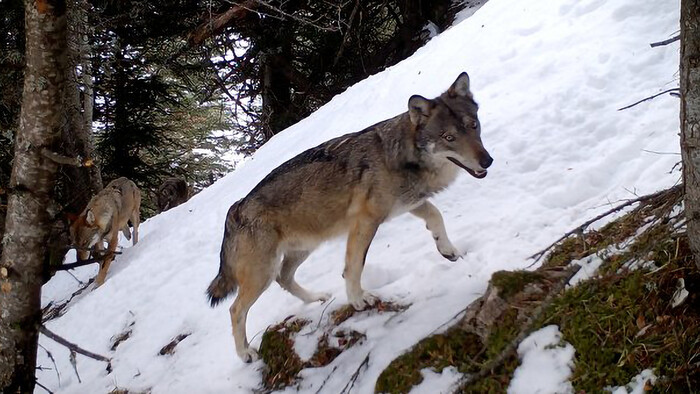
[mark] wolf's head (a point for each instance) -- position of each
(85, 232)
(448, 128)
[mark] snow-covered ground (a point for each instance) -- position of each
(549, 76)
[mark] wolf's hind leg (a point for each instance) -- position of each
(292, 260)
(255, 272)
(435, 224)
(126, 231)
(362, 232)
(135, 224)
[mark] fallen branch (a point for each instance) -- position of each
(351, 383)
(74, 347)
(326, 380)
(665, 42)
(89, 261)
(537, 256)
(524, 332)
(52, 311)
(650, 97)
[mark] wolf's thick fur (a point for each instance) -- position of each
(171, 193)
(107, 213)
(350, 184)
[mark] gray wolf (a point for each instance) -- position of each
(350, 184)
(172, 193)
(107, 213)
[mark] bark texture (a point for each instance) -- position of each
(31, 187)
(75, 184)
(690, 117)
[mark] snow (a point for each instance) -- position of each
(636, 385)
(589, 266)
(437, 383)
(546, 364)
(549, 76)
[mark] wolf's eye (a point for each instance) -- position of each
(474, 124)
(448, 138)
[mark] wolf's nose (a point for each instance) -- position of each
(485, 162)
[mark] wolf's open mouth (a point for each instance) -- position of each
(475, 174)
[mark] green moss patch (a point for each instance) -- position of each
(455, 347)
(510, 283)
(623, 323)
(282, 364)
(620, 322)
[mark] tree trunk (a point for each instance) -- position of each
(690, 117)
(31, 186)
(277, 112)
(76, 185)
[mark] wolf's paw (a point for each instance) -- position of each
(450, 252)
(363, 301)
(320, 296)
(248, 355)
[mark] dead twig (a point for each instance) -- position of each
(665, 42)
(48, 353)
(74, 363)
(74, 347)
(579, 230)
(89, 261)
(650, 97)
(326, 380)
(44, 387)
(351, 383)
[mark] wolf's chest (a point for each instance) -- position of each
(422, 185)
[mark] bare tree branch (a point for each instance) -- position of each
(216, 25)
(537, 256)
(665, 42)
(649, 98)
(74, 347)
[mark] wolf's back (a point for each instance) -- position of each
(225, 282)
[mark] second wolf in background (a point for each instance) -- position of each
(172, 193)
(107, 213)
(350, 184)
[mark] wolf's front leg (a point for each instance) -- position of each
(362, 230)
(434, 223)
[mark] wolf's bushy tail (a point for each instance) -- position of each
(225, 282)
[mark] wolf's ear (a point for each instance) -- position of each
(460, 87)
(419, 108)
(90, 218)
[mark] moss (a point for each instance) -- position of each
(455, 347)
(282, 364)
(622, 323)
(571, 248)
(277, 351)
(502, 333)
(510, 283)
(495, 382)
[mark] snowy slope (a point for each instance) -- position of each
(548, 75)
